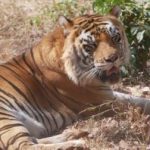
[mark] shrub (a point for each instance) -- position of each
(135, 17)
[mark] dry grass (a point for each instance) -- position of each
(17, 32)
(127, 129)
(22, 24)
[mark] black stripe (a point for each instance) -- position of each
(75, 52)
(71, 99)
(102, 23)
(84, 26)
(3, 118)
(6, 102)
(22, 142)
(6, 127)
(84, 58)
(83, 22)
(55, 109)
(82, 53)
(80, 57)
(90, 27)
(59, 99)
(27, 64)
(16, 101)
(35, 64)
(15, 87)
(2, 108)
(14, 138)
(5, 114)
(2, 145)
(20, 66)
(57, 93)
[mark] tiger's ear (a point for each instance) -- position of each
(66, 24)
(115, 11)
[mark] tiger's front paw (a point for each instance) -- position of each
(73, 145)
(71, 134)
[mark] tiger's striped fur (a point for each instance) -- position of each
(43, 90)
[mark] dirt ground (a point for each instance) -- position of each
(22, 24)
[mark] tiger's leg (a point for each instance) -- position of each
(66, 135)
(15, 136)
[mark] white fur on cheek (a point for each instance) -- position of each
(73, 66)
(70, 62)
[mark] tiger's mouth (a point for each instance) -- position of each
(112, 71)
(111, 76)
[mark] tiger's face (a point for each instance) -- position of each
(95, 47)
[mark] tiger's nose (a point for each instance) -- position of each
(112, 58)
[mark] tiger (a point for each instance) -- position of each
(43, 90)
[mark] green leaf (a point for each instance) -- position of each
(134, 30)
(124, 71)
(140, 35)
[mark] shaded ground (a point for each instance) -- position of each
(23, 23)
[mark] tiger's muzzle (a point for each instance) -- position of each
(108, 71)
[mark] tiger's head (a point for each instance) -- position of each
(95, 47)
